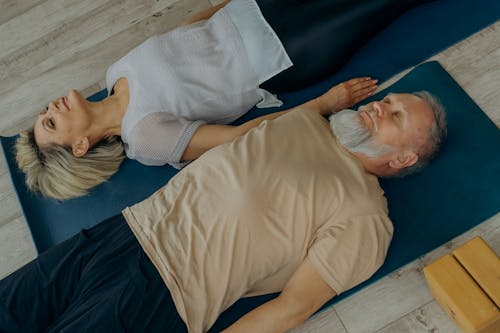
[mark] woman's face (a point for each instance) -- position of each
(64, 121)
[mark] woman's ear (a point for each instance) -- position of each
(403, 159)
(80, 146)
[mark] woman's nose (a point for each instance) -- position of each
(52, 106)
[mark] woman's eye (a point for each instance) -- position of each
(51, 123)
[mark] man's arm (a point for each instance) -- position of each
(303, 295)
(339, 97)
(205, 15)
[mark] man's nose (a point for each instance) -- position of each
(379, 108)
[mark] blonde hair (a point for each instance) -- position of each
(56, 173)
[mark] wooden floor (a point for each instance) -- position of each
(49, 46)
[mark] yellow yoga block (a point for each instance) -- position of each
(466, 284)
(483, 265)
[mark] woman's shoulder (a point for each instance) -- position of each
(121, 88)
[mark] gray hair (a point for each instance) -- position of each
(434, 137)
(56, 173)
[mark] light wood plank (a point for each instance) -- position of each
(13, 8)
(385, 301)
(55, 20)
(428, 318)
(15, 246)
(10, 208)
(3, 163)
(51, 66)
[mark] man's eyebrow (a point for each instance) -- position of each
(405, 114)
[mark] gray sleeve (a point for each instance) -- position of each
(157, 139)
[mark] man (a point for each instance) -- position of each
(292, 206)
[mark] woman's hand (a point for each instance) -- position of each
(346, 94)
(339, 97)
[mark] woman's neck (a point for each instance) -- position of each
(108, 114)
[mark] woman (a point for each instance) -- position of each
(171, 97)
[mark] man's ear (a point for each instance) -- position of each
(403, 159)
(80, 146)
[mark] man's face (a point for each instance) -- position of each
(399, 120)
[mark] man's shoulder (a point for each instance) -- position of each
(363, 196)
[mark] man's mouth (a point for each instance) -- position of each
(370, 118)
(373, 119)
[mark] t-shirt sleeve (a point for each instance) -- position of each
(157, 140)
(348, 253)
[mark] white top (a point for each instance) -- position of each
(207, 72)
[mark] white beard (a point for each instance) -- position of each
(354, 136)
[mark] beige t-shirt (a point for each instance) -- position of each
(242, 218)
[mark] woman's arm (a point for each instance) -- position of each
(339, 97)
(209, 136)
(205, 15)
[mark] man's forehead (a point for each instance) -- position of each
(401, 96)
(410, 102)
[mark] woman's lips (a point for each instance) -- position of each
(65, 102)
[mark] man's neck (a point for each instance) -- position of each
(376, 166)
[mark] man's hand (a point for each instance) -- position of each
(346, 94)
(304, 294)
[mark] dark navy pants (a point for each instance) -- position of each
(320, 36)
(100, 280)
